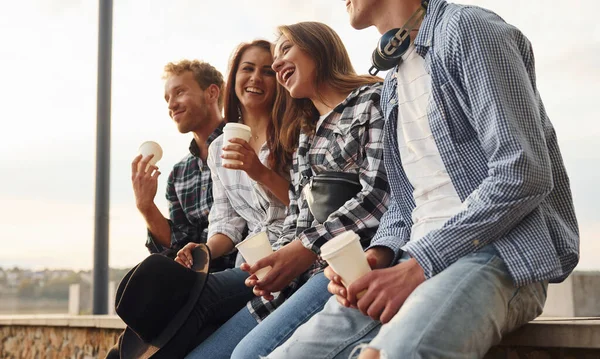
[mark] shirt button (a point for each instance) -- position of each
(204, 188)
(393, 101)
(476, 242)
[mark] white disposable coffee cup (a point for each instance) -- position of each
(235, 130)
(255, 248)
(151, 148)
(346, 257)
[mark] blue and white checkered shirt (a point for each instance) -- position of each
(498, 146)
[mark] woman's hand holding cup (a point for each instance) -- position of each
(238, 155)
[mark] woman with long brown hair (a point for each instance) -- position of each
(250, 190)
(330, 122)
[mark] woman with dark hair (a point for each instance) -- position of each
(331, 122)
(250, 195)
(250, 192)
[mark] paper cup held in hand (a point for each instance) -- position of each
(235, 130)
(151, 148)
(255, 248)
(346, 257)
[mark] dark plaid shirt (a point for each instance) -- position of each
(349, 139)
(189, 193)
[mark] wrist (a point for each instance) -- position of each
(307, 252)
(144, 206)
(383, 256)
(263, 174)
(416, 268)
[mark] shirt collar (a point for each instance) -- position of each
(194, 150)
(424, 38)
(340, 107)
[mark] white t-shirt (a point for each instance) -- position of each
(435, 196)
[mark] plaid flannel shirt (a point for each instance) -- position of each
(350, 139)
(497, 144)
(189, 193)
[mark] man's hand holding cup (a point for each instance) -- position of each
(374, 258)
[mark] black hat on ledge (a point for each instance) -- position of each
(155, 300)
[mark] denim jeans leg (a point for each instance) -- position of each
(334, 330)
(221, 343)
(279, 325)
(461, 312)
(224, 294)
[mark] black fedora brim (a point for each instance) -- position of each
(132, 346)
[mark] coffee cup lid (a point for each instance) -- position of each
(237, 125)
(249, 239)
(334, 245)
(150, 143)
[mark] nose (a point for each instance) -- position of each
(256, 76)
(172, 105)
(277, 65)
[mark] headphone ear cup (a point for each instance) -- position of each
(382, 61)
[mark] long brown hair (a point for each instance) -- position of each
(333, 67)
(278, 159)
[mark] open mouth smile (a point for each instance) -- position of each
(286, 74)
(254, 90)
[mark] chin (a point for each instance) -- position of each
(358, 22)
(182, 129)
(296, 93)
(357, 25)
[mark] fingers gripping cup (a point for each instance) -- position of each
(234, 130)
(255, 248)
(346, 257)
(151, 148)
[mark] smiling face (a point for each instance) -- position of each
(255, 84)
(296, 70)
(186, 101)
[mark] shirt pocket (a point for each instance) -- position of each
(454, 116)
(345, 146)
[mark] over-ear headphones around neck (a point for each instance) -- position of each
(394, 43)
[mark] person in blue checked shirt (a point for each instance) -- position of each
(481, 216)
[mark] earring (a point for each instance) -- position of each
(239, 114)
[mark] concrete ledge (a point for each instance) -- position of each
(67, 336)
(62, 320)
(557, 333)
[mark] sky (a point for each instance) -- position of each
(48, 59)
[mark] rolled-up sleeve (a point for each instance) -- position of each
(222, 218)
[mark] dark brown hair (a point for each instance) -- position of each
(279, 160)
(333, 67)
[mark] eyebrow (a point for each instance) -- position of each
(279, 48)
(253, 64)
(173, 89)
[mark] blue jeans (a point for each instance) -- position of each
(459, 313)
(243, 337)
(223, 295)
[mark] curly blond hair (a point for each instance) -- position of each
(204, 73)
